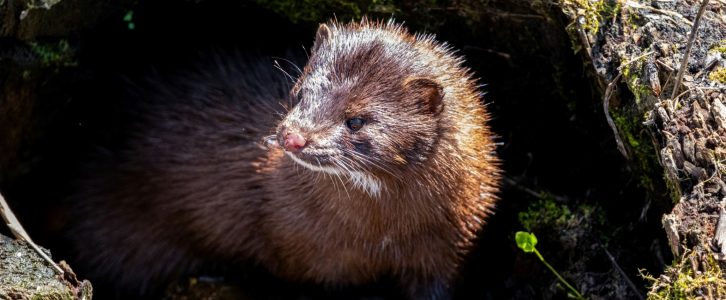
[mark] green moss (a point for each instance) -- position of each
(719, 47)
(592, 12)
(56, 55)
(631, 128)
(545, 211)
(679, 281)
(588, 15)
(641, 148)
(718, 75)
(322, 10)
(548, 212)
(632, 74)
(643, 154)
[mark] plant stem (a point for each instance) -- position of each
(691, 37)
(579, 296)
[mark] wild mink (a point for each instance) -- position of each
(384, 166)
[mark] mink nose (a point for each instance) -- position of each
(294, 142)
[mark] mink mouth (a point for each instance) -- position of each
(315, 161)
(326, 163)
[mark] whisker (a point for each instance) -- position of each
(335, 186)
(285, 107)
(277, 66)
(376, 163)
(299, 71)
(341, 181)
(350, 169)
(307, 54)
(372, 162)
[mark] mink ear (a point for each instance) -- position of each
(323, 33)
(429, 94)
(322, 36)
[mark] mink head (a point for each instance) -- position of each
(367, 106)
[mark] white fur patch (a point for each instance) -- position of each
(365, 182)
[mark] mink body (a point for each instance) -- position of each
(383, 166)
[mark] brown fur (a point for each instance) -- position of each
(194, 185)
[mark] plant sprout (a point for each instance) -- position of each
(527, 242)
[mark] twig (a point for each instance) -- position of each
(660, 11)
(664, 65)
(606, 111)
(634, 59)
(670, 72)
(17, 230)
(606, 103)
(684, 92)
(583, 36)
(531, 192)
(622, 272)
(691, 38)
(719, 239)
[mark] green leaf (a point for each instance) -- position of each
(129, 16)
(525, 241)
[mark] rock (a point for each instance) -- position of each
(25, 275)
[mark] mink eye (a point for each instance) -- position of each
(355, 124)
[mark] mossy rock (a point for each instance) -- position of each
(670, 127)
(25, 275)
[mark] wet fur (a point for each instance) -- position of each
(192, 184)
